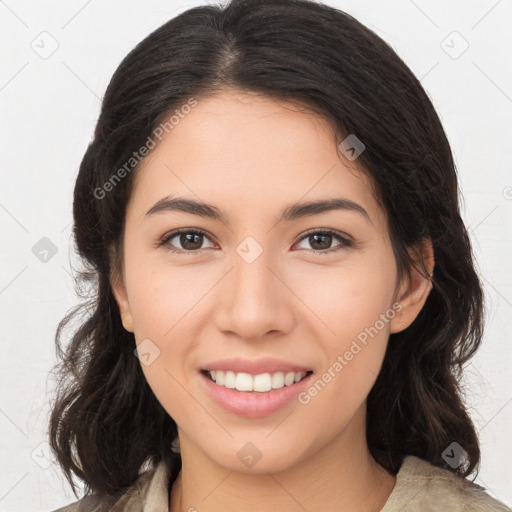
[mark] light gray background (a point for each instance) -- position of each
(49, 107)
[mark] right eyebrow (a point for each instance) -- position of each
(291, 212)
(299, 210)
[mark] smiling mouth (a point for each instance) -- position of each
(260, 383)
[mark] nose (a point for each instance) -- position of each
(254, 300)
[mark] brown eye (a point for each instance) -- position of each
(190, 240)
(321, 241)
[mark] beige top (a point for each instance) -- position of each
(420, 487)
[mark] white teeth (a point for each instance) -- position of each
(261, 383)
(289, 378)
(230, 380)
(277, 380)
(243, 382)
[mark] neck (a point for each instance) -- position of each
(341, 476)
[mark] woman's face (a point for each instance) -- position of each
(257, 289)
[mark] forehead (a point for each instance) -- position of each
(247, 152)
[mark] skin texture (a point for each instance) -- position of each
(251, 157)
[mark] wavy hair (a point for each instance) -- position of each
(106, 425)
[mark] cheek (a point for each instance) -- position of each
(162, 305)
(163, 311)
(353, 311)
(172, 391)
(163, 299)
(345, 300)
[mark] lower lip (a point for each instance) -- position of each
(253, 404)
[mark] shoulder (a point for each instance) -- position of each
(147, 493)
(421, 486)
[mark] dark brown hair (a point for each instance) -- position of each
(106, 424)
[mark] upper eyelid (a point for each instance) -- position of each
(322, 230)
(174, 233)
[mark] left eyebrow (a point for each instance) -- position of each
(291, 212)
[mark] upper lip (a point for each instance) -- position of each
(255, 366)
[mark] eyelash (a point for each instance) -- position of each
(164, 241)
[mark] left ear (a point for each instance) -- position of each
(117, 283)
(415, 288)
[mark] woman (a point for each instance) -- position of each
(284, 290)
